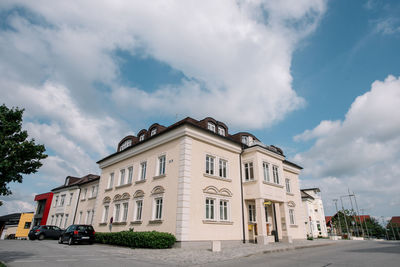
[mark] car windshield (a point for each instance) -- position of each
(35, 227)
(85, 227)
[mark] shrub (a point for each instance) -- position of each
(310, 237)
(137, 239)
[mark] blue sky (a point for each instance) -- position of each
(321, 78)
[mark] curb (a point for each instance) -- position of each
(289, 249)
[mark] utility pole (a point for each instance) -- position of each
(383, 221)
(340, 225)
(352, 209)
(365, 222)
(359, 217)
(394, 235)
(345, 220)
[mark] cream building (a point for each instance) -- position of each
(74, 202)
(195, 180)
(314, 219)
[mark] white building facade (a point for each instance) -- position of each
(314, 219)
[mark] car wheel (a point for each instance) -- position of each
(70, 241)
(41, 237)
(60, 241)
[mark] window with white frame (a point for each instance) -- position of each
(87, 219)
(275, 174)
(223, 210)
(52, 219)
(60, 222)
(71, 195)
(125, 144)
(221, 131)
(105, 214)
(211, 126)
(245, 139)
(84, 193)
(252, 213)
(65, 221)
(56, 223)
(130, 174)
(222, 168)
(210, 209)
(122, 177)
(249, 172)
(138, 209)
(111, 180)
(143, 167)
(291, 216)
(62, 200)
(124, 211)
(161, 165)
(91, 218)
(153, 131)
(266, 171)
(117, 209)
(287, 182)
(266, 213)
(141, 137)
(80, 217)
(93, 191)
(158, 205)
(210, 165)
(56, 202)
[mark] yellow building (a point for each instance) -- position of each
(24, 225)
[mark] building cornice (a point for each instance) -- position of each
(263, 150)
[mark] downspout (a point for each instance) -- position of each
(76, 207)
(241, 193)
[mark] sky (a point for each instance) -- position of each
(318, 78)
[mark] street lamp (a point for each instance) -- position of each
(345, 220)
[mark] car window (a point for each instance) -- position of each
(69, 229)
(44, 227)
(57, 228)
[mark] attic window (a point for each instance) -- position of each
(125, 144)
(141, 137)
(211, 126)
(66, 181)
(221, 131)
(245, 139)
(153, 131)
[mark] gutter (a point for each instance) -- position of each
(241, 195)
(76, 207)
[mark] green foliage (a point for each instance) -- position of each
(18, 155)
(137, 239)
(310, 237)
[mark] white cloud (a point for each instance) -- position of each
(362, 151)
(388, 26)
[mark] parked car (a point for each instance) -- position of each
(77, 233)
(44, 231)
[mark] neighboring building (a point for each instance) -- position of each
(87, 202)
(331, 228)
(42, 208)
(24, 225)
(69, 198)
(314, 219)
(193, 179)
(9, 224)
(395, 221)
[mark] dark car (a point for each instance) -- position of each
(44, 231)
(77, 233)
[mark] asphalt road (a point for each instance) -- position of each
(49, 253)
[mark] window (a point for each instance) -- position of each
(130, 175)
(62, 200)
(125, 144)
(252, 213)
(141, 137)
(91, 218)
(87, 219)
(84, 193)
(158, 208)
(153, 131)
(52, 219)
(56, 223)
(287, 182)
(105, 214)
(80, 217)
(125, 211)
(111, 180)
(223, 210)
(71, 195)
(61, 218)
(27, 225)
(221, 131)
(266, 213)
(275, 174)
(249, 173)
(245, 139)
(211, 126)
(56, 202)
(93, 192)
(122, 177)
(143, 171)
(291, 216)
(138, 212)
(66, 221)
(210, 209)
(161, 165)
(116, 212)
(222, 168)
(210, 165)
(266, 171)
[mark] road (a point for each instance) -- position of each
(21, 253)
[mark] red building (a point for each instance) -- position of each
(43, 207)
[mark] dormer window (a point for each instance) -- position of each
(66, 181)
(211, 126)
(153, 131)
(245, 139)
(141, 137)
(125, 144)
(221, 131)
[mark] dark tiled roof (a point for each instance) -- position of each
(78, 181)
(292, 164)
(395, 220)
(305, 195)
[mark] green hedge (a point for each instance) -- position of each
(136, 239)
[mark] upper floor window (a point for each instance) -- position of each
(70, 198)
(266, 171)
(252, 213)
(130, 174)
(249, 173)
(287, 182)
(153, 131)
(221, 131)
(141, 137)
(210, 165)
(275, 174)
(94, 191)
(211, 126)
(84, 193)
(125, 144)
(62, 200)
(143, 166)
(122, 177)
(245, 139)
(56, 202)
(161, 165)
(222, 168)
(111, 180)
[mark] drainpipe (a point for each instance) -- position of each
(76, 207)
(241, 194)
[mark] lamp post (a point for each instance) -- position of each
(365, 222)
(352, 209)
(383, 221)
(345, 220)
(358, 211)
(340, 225)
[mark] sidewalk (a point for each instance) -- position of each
(199, 256)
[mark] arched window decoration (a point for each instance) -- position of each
(157, 190)
(138, 193)
(117, 197)
(211, 190)
(291, 204)
(225, 192)
(125, 196)
(107, 200)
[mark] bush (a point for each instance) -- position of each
(310, 237)
(137, 239)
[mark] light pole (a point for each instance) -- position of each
(383, 221)
(358, 211)
(345, 220)
(394, 235)
(352, 209)
(365, 222)
(340, 225)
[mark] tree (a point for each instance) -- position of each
(17, 154)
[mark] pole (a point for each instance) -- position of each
(383, 221)
(365, 222)
(359, 217)
(345, 220)
(340, 225)
(394, 235)
(352, 212)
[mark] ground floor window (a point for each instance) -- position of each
(158, 202)
(116, 212)
(252, 213)
(210, 208)
(138, 210)
(223, 210)
(125, 212)
(105, 214)
(291, 216)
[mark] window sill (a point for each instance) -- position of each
(155, 221)
(159, 176)
(217, 177)
(119, 223)
(273, 184)
(123, 185)
(83, 199)
(140, 181)
(290, 194)
(136, 222)
(91, 198)
(108, 189)
(249, 182)
(293, 225)
(217, 222)
(102, 224)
